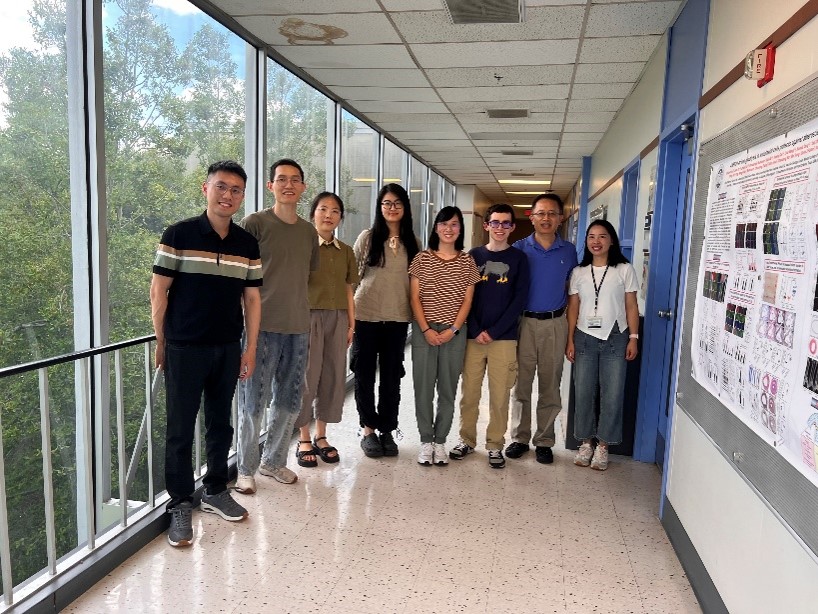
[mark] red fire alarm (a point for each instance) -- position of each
(760, 65)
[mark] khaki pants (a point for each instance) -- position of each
(500, 357)
(540, 350)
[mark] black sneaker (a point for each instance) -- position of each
(390, 448)
(371, 446)
(224, 505)
(496, 460)
(544, 455)
(180, 532)
(460, 451)
(516, 450)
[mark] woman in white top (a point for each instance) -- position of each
(603, 325)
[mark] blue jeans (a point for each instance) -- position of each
(599, 364)
(278, 381)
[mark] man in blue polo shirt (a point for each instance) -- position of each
(204, 291)
(543, 330)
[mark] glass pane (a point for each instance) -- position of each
(359, 172)
(299, 120)
(36, 305)
(394, 164)
(174, 103)
(417, 189)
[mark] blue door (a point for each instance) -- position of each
(662, 315)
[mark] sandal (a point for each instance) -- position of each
(325, 452)
(300, 454)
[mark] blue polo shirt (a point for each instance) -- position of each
(549, 270)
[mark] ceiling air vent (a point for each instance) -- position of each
(517, 152)
(485, 11)
(522, 174)
(506, 113)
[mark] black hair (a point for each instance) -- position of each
(615, 255)
(444, 215)
(379, 233)
(322, 196)
(499, 208)
(548, 196)
(285, 162)
(227, 166)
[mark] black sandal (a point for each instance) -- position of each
(300, 454)
(324, 453)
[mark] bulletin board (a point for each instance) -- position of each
(748, 372)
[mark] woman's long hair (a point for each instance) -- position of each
(615, 255)
(379, 233)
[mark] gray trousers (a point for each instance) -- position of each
(436, 367)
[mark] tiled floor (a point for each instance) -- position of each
(388, 535)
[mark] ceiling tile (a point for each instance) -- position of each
(607, 90)
(596, 104)
(517, 53)
(502, 128)
(414, 5)
(397, 94)
(351, 56)
(544, 106)
(609, 72)
(413, 126)
(426, 118)
(509, 75)
(630, 19)
(586, 127)
(540, 23)
(589, 118)
(626, 49)
(536, 119)
(375, 106)
(382, 77)
(323, 30)
(503, 93)
(289, 7)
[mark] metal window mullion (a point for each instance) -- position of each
(255, 126)
(5, 546)
(150, 400)
(87, 463)
(120, 436)
(48, 483)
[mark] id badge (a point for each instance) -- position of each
(593, 322)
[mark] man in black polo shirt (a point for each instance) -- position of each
(206, 267)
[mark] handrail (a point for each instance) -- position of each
(73, 356)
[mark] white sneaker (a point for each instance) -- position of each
(246, 484)
(584, 454)
(600, 459)
(280, 474)
(427, 453)
(440, 455)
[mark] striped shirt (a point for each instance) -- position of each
(209, 277)
(443, 284)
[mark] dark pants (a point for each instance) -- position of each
(190, 372)
(380, 345)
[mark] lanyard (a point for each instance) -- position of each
(599, 287)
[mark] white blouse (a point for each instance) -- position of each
(611, 308)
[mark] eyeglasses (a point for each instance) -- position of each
(221, 187)
(505, 225)
(326, 210)
(449, 225)
(392, 204)
(286, 180)
(549, 214)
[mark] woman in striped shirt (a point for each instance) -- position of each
(442, 282)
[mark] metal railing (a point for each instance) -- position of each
(90, 367)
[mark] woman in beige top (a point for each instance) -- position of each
(382, 316)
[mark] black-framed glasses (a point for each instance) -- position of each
(222, 187)
(505, 224)
(392, 204)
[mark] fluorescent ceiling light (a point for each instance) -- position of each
(522, 206)
(525, 193)
(391, 180)
(416, 190)
(525, 181)
(363, 179)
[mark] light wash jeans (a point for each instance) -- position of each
(599, 363)
(277, 382)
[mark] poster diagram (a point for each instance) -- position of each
(755, 322)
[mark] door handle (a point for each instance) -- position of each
(666, 314)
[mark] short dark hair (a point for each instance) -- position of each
(615, 255)
(285, 162)
(322, 196)
(548, 196)
(227, 166)
(444, 215)
(499, 208)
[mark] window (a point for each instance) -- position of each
(359, 173)
(395, 164)
(417, 194)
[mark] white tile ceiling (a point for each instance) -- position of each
(427, 83)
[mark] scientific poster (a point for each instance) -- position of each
(755, 322)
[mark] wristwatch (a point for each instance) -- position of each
(633, 336)
(454, 330)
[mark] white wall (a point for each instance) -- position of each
(636, 125)
(473, 203)
(756, 564)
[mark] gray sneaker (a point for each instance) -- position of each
(224, 505)
(180, 532)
